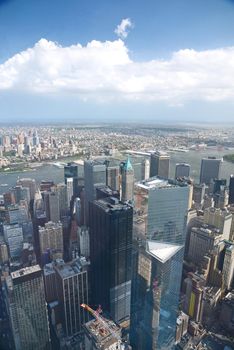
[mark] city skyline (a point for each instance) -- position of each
(116, 175)
(125, 260)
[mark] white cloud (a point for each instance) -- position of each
(104, 71)
(122, 29)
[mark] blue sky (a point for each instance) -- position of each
(191, 45)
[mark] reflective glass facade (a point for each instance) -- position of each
(160, 207)
(95, 175)
(159, 221)
(158, 296)
(110, 256)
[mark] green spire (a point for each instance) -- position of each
(128, 165)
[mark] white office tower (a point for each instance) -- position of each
(145, 169)
(228, 267)
(83, 233)
(69, 190)
(127, 183)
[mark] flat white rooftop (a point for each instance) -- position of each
(154, 182)
(162, 251)
(25, 271)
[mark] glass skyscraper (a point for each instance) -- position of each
(159, 225)
(110, 256)
(95, 175)
(159, 164)
(210, 169)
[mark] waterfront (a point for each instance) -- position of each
(50, 172)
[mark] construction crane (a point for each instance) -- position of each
(103, 322)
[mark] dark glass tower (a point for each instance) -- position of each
(210, 169)
(71, 171)
(110, 255)
(159, 164)
(231, 190)
(95, 176)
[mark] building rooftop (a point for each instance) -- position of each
(66, 270)
(112, 204)
(94, 162)
(158, 182)
(101, 336)
(229, 298)
(107, 190)
(48, 269)
(162, 251)
(209, 230)
(25, 271)
(161, 154)
(128, 165)
(231, 247)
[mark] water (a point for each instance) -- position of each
(194, 159)
(50, 172)
(45, 172)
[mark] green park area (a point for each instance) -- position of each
(229, 157)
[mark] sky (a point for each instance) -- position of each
(125, 60)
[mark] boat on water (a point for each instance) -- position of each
(3, 185)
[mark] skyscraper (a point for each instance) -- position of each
(127, 182)
(72, 288)
(228, 267)
(202, 241)
(51, 237)
(112, 177)
(182, 170)
(220, 218)
(27, 309)
(161, 207)
(30, 183)
(159, 275)
(231, 190)
(69, 190)
(145, 169)
(61, 189)
(159, 164)
(210, 169)
(51, 200)
(13, 235)
(110, 256)
(95, 175)
(71, 171)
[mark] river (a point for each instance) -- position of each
(51, 172)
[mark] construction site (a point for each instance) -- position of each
(102, 333)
